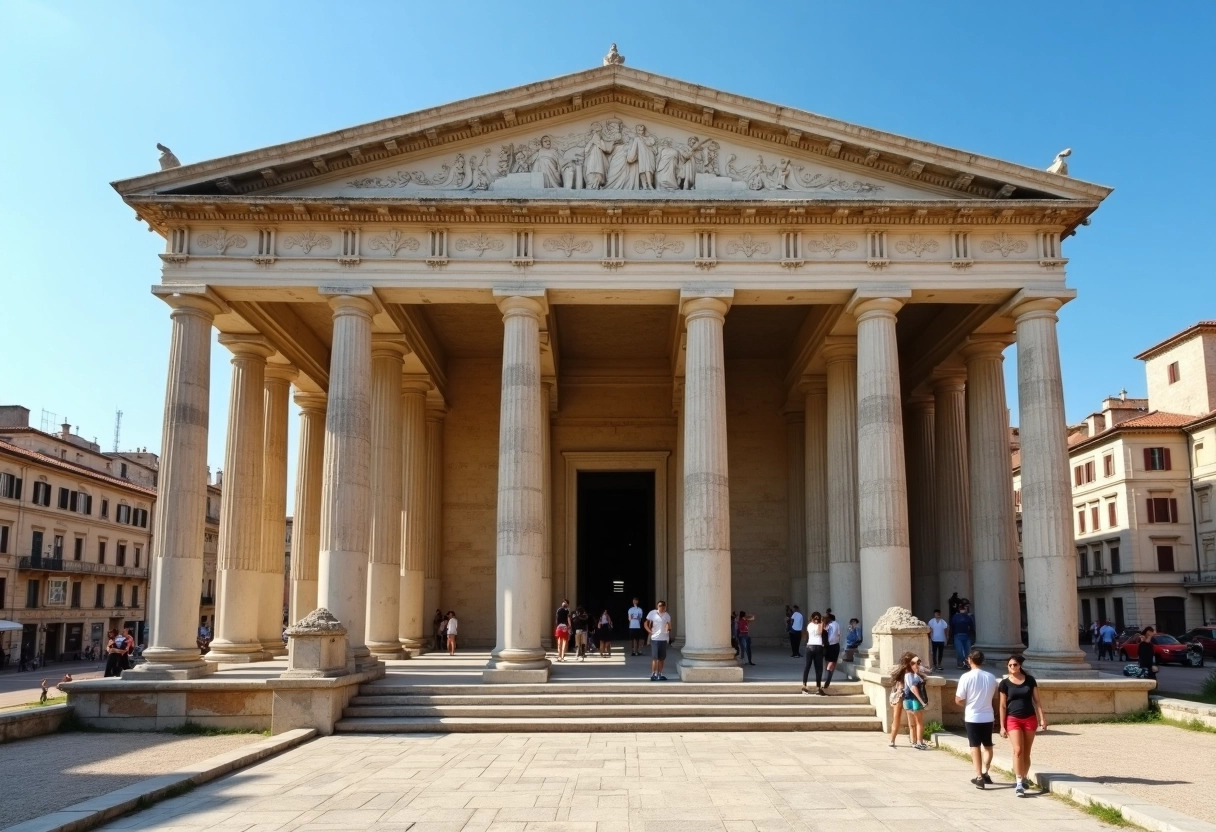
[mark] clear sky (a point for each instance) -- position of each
(89, 88)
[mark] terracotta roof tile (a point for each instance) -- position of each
(81, 470)
(1157, 419)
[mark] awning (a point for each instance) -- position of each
(5, 626)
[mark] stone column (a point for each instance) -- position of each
(345, 511)
(384, 554)
(815, 510)
(950, 484)
(922, 522)
(844, 567)
(176, 556)
(240, 555)
(706, 655)
(432, 583)
(1049, 559)
(545, 611)
(518, 655)
(675, 579)
(306, 522)
(994, 550)
(413, 621)
(882, 514)
(795, 479)
(274, 507)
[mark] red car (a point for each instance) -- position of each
(1167, 649)
(1205, 636)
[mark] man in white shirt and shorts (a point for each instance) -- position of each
(636, 634)
(938, 627)
(975, 690)
(658, 625)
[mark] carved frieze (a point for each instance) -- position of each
(832, 244)
(916, 245)
(392, 242)
(567, 243)
(480, 243)
(1005, 244)
(220, 241)
(658, 244)
(748, 246)
(306, 241)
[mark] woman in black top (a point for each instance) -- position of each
(1021, 717)
(1144, 653)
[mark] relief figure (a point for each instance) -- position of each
(667, 166)
(595, 157)
(548, 162)
(621, 174)
(642, 158)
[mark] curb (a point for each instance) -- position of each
(1136, 810)
(95, 811)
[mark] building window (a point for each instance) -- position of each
(122, 514)
(1162, 510)
(10, 486)
(1165, 558)
(78, 549)
(105, 509)
(76, 585)
(1205, 508)
(1156, 459)
(1116, 565)
(1087, 615)
(1083, 474)
(140, 518)
(139, 552)
(1172, 372)
(56, 592)
(64, 498)
(42, 493)
(1119, 621)
(1098, 569)
(1093, 517)
(99, 599)
(1112, 514)
(3, 549)
(58, 551)
(118, 595)
(1080, 521)
(101, 551)
(135, 596)
(1209, 555)
(1083, 563)
(1102, 609)
(31, 595)
(1108, 465)
(121, 554)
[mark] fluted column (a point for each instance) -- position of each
(545, 610)
(815, 509)
(240, 555)
(518, 654)
(432, 583)
(882, 515)
(176, 558)
(706, 654)
(345, 510)
(384, 554)
(306, 519)
(844, 566)
(1047, 543)
(922, 520)
(950, 483)
(413, 621)
(675, 584)
(994, 550)
(274, 507)
(795, 478)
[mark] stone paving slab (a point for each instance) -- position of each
(602, 783)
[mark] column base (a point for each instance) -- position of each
(169, 672)
(364, 663)
(274, 649)
(1064, 665)
(234, 653)
(998, 654)
(710, 673)
(382, 650)
(523, 668)
(413, 647)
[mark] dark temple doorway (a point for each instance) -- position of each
(615, 545)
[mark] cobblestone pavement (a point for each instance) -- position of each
(602, 782)
(45, 774)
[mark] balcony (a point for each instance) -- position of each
(206, 601)
(1204, 580)
(81, 567)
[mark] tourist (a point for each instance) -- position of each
(561, 637)
(658, 627)
(852, 639)
(831, 649)
(796, 626)
(734, 632)
(975, 690)
(915, 700)
(115, 653)
(437, 629)
(42, 698)
(814, 653)
(953, 603)
(128, 649)
(451, 631)
(962, 628)
(580, 621)
(744, 622)
(636, 634)
(1093, 635)
(603, 636)
(938, 627)
(1021, 717)
(896, 697)
(1144, 654)
(1106, 641)
(562, 618)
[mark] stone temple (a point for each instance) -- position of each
(604, 336)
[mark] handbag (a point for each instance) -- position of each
(896, 696)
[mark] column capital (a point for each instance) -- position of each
(435, 412)
(839, 348)
(310, 402)
(520, 304)
(389, 346)
(701, 306)
(986, 346)
(949, 379)
(793, 416)
(415, 383)
(247, 345)
(351, 305)
(813, 385)
(1032, 303)
(865, 308)
(201, 299)
(921, 401)
(281, 371)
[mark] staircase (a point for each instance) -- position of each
(386, 706)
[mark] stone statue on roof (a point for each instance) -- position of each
(614, 58)
(167, 159)
(1058, 164)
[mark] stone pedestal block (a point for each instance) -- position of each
(316, 648)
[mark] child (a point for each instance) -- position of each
(42, 699)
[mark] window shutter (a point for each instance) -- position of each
(1076, 475)
(1151, 517)
(88, 504)
(1165, 454)
(73, 500)
(17, 493)
(1148, 459)
(63, 498)
(1173, 510)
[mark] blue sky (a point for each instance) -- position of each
(89, 88)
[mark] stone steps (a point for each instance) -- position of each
(390, 707)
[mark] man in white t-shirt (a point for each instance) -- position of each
(636, 634)
(938, 627)
(797, 621)
(658, 625)
(975, 690)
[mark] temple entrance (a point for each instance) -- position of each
(616, 537)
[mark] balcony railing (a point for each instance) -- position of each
(1203, 579)
(81, 566)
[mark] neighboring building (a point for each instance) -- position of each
(1142, 473)
(211, 538)
(75, 538)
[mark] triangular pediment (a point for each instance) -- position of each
(611, 133)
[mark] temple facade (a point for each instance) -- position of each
(607, 336)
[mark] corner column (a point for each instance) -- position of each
(796, 529)
(706, 655)
(432, 584)
(994, 549)
(886, 579)
(844, 567)
(274, 508)
(413, 619)
(1047, 543)
(922, 520)
(518, 655)
(950, 483)
(345, 483)
(240, 554)
(177, 533)
(815, 510)
(306, 520)
(384, 554)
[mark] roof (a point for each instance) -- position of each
(1154, 421)
(72, 467)
(1178, 338)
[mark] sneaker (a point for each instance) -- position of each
(922, 746)
(662, 678)
(978, 781)
(654, 677)
(987, 778)
(1019, 790)
(890, 745)
(821, 692)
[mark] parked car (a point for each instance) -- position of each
(1205, 636)
(1167, 649)
(1125, 635)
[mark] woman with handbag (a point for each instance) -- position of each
(914, 700)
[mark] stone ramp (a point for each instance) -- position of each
(387, 706)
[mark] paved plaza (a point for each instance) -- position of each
(602, 782)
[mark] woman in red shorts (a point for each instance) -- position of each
(1021, 717)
